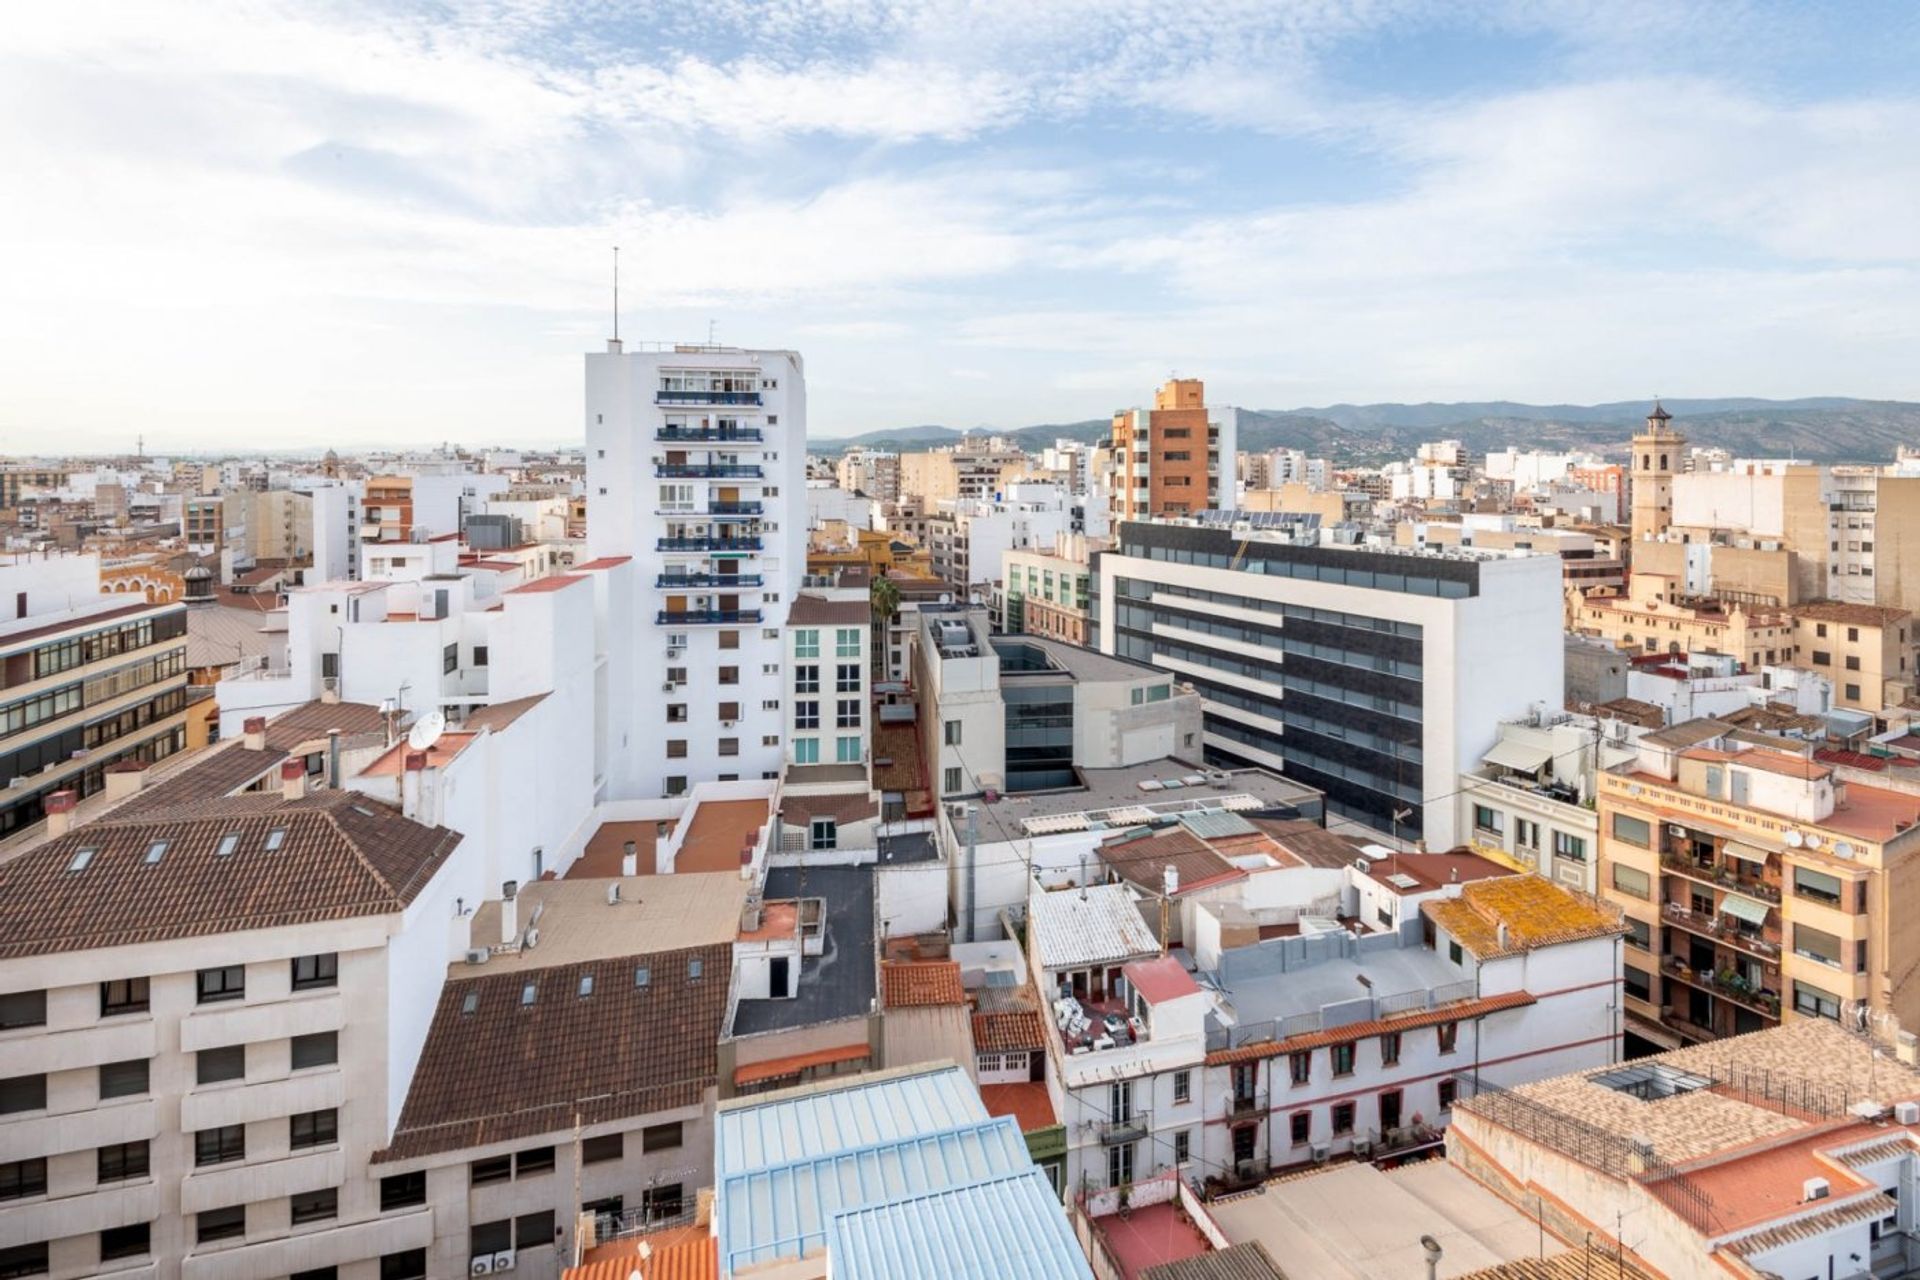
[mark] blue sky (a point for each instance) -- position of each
(261, 225)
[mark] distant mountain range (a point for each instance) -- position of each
(1817, 429)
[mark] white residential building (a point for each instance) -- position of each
(696, 468)
(826, 709)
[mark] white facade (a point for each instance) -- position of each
(696, 468)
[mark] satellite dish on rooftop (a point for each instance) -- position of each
(426, 731)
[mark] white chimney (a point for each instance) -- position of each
(125, 779)
(629, 860)
(1502, 934)
(254, 733)
(1170, 880)
(293, 778)
(60, 813)
(509, 911)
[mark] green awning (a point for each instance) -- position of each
(1745, 909)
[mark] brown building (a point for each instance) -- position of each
(1167, 458)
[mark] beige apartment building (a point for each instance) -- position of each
(1653, 616)
(1866, 650)
(1044, 593)
(873, 472)
(971, 472)
(1760, 885)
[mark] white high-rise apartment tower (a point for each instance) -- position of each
(696, 468)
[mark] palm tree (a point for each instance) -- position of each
(885, 602)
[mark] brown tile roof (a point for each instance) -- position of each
(1598, 1264)
(1144, 860)
(694, 1258)
(800, 811)
(342, 855)
(721, 828)
(1858, 615)
(1008, 1032)
(510, 1069)
(1310, 842)
(793, 1064)
(1535, 911)
(502, 714)
(911, 984)
(1248, 1260)
(1353, 1031)
(1026, 1101)
(219, 772)
(303, 724)
(812, 610)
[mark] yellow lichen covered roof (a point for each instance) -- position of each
(1536, 912)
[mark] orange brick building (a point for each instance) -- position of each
(1167, 459)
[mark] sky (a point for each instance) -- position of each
(279, 226)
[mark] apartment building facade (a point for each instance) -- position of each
(696, 468)
(1868, 652)
(1044, 592)
(1373, 676)
(872, 472)
(1175, 458)
(86, 682)
(1760, 885)
(827, 709)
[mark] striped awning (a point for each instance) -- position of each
(1745, 909)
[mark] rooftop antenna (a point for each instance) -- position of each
(711, 326)
(614, 343)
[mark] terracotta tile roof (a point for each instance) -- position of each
(844, 808)
(293, 729)
(510, 1069)
(794, 1064)
(1144, 860)
(909, 984)
(221, 771)
(1008, 1031)
(809, 610)
(1574, 1264)
(1310, 842)
(1027, 1102)
(558, 582)
(694, 1259)
(500, 715)
(1458, 1012)
(721, 828)
(604, 562)
(1535, 911)
(1858, 615)
(340, 855)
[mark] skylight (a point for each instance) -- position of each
(586, 984)
(471, 1003)
(1652, 1081)
(156, 851)
(528, 992)
(228, 843)
(275, 838)
(81, 858)
(693, 967)
(642, 976)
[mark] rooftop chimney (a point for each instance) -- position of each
(60, 812)
(509, 911)
(413, 766)
(629, 860)
(1502, 935)
(255, 731)
(293, 778)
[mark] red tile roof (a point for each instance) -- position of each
(604, 562)
(915, 983)
(794, 1064)
(1008, 1031)
(1160, 980)
(1027, 1102)
(693, 1259)
(1144, 860)
(558, 582)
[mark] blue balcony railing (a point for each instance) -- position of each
(740, 546)
(708, 435)
(705, 471)
(706, 397)
(673, 582)
(706, 617)
(733, 508)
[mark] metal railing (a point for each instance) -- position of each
(1777, 1091)
(1719, 877)
(1716, 928)
(722, 580)
(706, 397)
(705, 471)
(1126, 1128)
(707, 544)
(1240, 1105)
(1734, 989)
(706, 435)
(706, 617)
(734, 508)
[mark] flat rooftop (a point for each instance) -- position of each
(840, 982)
(1078, 661)
(576, 923)
(1308, 988)
(1108, 789)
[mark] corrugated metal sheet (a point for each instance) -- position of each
(1098, 924)
(785, 1211)
(1007, 1229)
(840, 1118)
(1217, 824)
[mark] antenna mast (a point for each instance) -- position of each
(616, 293)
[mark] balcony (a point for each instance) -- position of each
(1728, 986)
(688, 581)
(1126, 1128)
(705, 471)
(719, 546)
(725, 510)
(1244, 1106)
(1721, 931)
(706, 617)
(1720, 877)
(706, 397)
(707, 435)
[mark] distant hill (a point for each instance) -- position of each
(1817, 429)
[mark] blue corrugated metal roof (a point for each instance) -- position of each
(784, 1211)
(1007, 1229)
(862, 1114)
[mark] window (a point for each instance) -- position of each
(1390, 1048)
(487, 1238)
(1342, 1055)
(951, 777)
(952, 738)
(403, 1191)
(531, 1230)
(123, 995)
(676, 713)
(661, 1202)
(728, 710)
(1812, 1002)
(313, 972)
(806, 643)
(1342, 1118)
(1634, 831)
(729, 746)
(22, 1178)
(847, 713)
(1182, 1147)
(806, 751)
(479, 655)
(23, 1009)
(1632, 881)
(1816, 885)
(492, 1169)
(1449, 1036)
(221, 1224)
(220, 1146)
(1637, 984)
(313, 1129)
(1570, 847)
(22, 1093)
(24, 1260)
(1853, 663)
(1300, 1127)
(1449, 1091)
(846, 678)
(1300, 1067)
(532, 1160)
(1639, 934)
(228, 983)
(676, 748)
(660, 1137)
(806, 678)
(846, 642)
(1851, 693)
(132, 1241)
(450, 659)
(320, 1049)
(1455, 954)
(410, 1264)
(1486, 819)
(123, 1079)
(806, 713)
(846, 750)
(121, 1161)
(823, 833)
(729, 675)
(1815, 944)
(314, 1206)
(608, 1146)
(1183, 1086)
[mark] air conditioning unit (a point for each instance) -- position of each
(1815, 1189)
(1362, 1148)
(503, 1262)
(673, 653)
(1244, 1171)
(478, 955)
(1320, 1152)
(1906, 1112)
(1675, 829)
(668, 687)
(481, 1266)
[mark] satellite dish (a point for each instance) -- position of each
(1794, 839)
(426, 731)
(1813, 841)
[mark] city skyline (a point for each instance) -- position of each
(394, 226)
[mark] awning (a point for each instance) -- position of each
(1518, 756)
(1744, 852)
(1745, 909)
(776, 1068)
